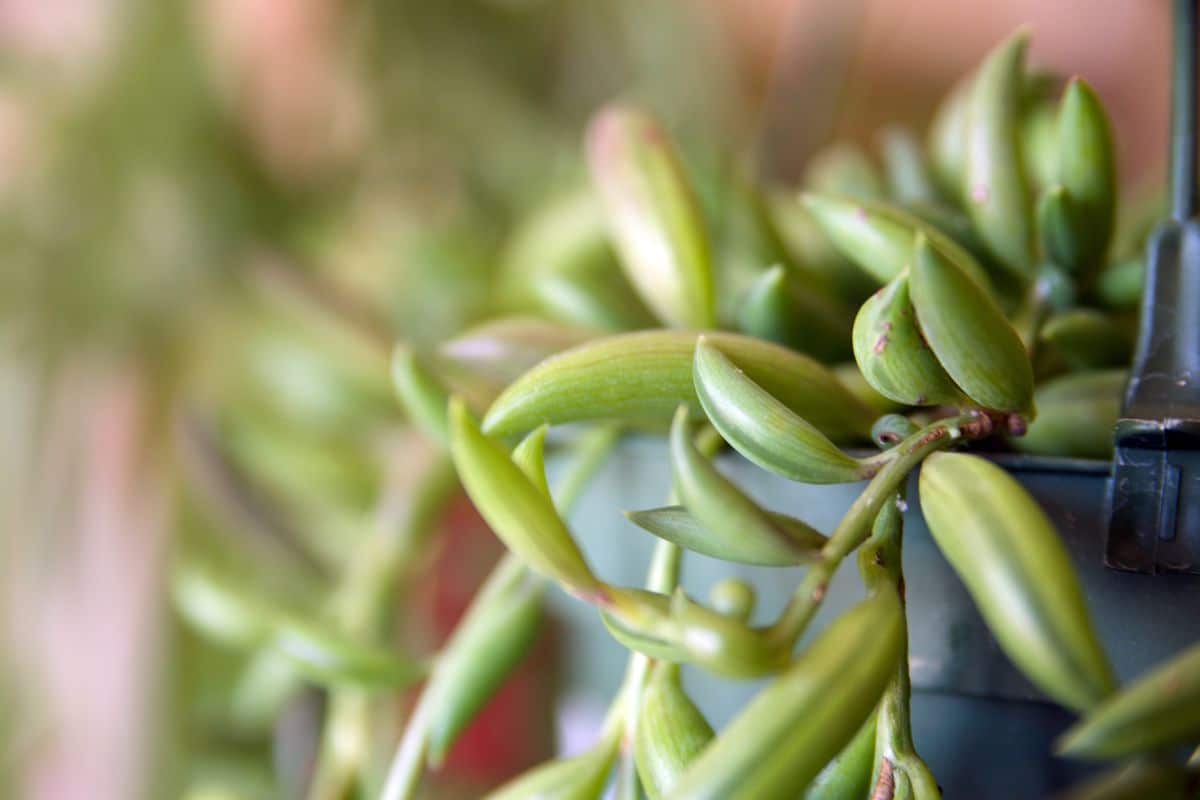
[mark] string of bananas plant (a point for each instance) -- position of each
(993, 288)
(996, 267)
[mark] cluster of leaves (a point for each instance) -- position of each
(999, 321)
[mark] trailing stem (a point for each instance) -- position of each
(856, 525)
(899, 771)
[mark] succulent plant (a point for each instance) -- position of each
(995, 317)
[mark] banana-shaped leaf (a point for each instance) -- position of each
(1160, 710)
(1120, 286)
(844, 169)
(530, 456)
(735, 525)
(969, 334)
(1061, 234)
(502, 350)
(653, 216)
(650, 631)
(778, 310)
(676, 524)
(848, 776)
(852, 378)
(580, 778)
(879, 238)
(1038, 133)
(762, 428)
(1141, 780)
(1088, 339)
(904, 163)
(892, 354)
(595, 295)
(789, 731)
(645, 376)
(995, 188)
(1010, 557)
(517, 509)
(1087, 171)
(490, 641)
(671, 731)
(946, 141)
(560, 261)
(1076, 415)
(218, 608)
(422, 396)
(328, 658)
(723, 645)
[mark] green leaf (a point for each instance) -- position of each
(892, 353)
(969, 334)
(1002, 546)
(422, 396)
(780, 310)
(487, 645)
(848, 776)
(329, 658)
(645, 376)
(580, 778)
(789, 731)
(1087, 171)
(1160, 710)
(904, 163)
(762, 428)
(879, 238)
(516, 508)
(676, 524)
(1076, 415)
(1158, 779)
(653, 216)
(1088, 339)
(530, 456)
(735, 524)
(996, 189)
(501, 350)
(671, 732)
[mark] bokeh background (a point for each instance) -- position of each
(215, 218)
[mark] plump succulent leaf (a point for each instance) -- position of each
(519, 511)
(879, 238)
(735, 525)
(671, 732)
(762, 428)
(892, 353)
(780, 310)
(1159, 710)
(848, 775)
(1007, 553)
(1087, 172)
(653, 215)
(995, 187)
(969, 334)
(486, 646)
(1076, 415)
(676, 524)
(644, 376)
(582, 777)
(790, 731)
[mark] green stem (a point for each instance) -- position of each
(881, 564)
(856, 525)
(663, 577)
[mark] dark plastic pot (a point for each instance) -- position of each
(982, 728)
